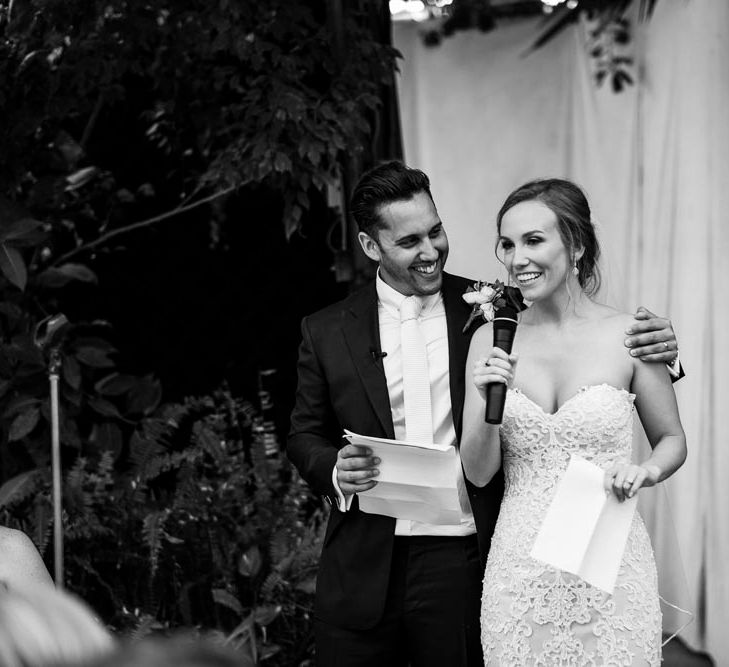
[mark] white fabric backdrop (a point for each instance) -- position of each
(481, 119)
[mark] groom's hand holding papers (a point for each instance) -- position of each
(356, 468)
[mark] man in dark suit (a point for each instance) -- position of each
(391, 591)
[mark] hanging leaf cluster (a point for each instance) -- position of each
(608, 39)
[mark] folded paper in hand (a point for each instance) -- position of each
(584, 531)
(416, 481)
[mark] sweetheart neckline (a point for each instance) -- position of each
(583, 389)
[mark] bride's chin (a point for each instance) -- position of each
(536, 295)
(531, 293)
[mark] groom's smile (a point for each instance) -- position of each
(427, 269)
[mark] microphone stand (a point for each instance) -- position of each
(54, 366)
(49, 334)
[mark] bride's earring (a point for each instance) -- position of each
(575, 270)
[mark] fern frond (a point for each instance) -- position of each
(153, 531)
(144, 627)
(270, 585)
(279, 547)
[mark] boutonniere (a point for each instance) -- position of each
(487, 298)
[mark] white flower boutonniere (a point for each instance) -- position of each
(487, 298)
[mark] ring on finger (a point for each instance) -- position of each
(665, 344)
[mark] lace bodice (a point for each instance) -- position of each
(532, 613)
(596, 423)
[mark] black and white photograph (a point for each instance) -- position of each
(364, 333)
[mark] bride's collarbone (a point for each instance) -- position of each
(555, 344)
(575, 366)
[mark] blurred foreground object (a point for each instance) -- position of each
(179, 651)
(20, 562)
(40, 625)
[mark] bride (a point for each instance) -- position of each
(573, 393)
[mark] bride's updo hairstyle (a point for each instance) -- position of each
(569, 204)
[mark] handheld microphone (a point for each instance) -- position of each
(504, 330)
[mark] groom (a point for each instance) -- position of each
(396, 592)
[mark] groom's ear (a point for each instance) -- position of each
(370, 247)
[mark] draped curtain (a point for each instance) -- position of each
(480, 118)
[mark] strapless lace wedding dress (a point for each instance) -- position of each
(535, 614)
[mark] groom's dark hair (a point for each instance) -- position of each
(384, 184)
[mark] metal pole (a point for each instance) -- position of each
(48, 336)
(53, 368)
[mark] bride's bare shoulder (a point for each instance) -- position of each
(607, 323)
(609, 316)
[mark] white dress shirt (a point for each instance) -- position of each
(435, 331)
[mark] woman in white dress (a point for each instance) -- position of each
(573, 393)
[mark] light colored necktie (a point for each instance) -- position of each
(415, 377)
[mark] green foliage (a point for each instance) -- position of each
(224, 94)
(199, 525)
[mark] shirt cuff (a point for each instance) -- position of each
(674, 368)
(342, 502)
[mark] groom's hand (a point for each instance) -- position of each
(651, 338)
(355, 469)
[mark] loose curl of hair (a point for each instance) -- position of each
(568, 202)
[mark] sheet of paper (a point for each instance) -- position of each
(584, 531)
(416, 482)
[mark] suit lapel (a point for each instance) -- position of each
(362, 333)
(457, 311)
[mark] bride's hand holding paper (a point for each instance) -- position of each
(584, 532)
(625, 479)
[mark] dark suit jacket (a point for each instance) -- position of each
(342, 385)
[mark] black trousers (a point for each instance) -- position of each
(432, 613)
